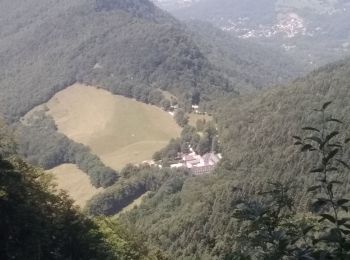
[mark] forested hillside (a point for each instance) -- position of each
(131, 48)
(195, 219)
(127, 47)
(123, 46)
(257, 66)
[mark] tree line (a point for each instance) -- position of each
(41, 144)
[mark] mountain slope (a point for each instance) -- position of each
(257, 65)
(109, 43)
(314, 31)
(193, 219)
(128, 47)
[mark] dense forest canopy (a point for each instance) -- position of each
(123, 46)
(257, 66)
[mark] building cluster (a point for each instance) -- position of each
(289, 25)
(198, 164)
(195, 163)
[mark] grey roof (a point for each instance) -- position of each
(202, 170)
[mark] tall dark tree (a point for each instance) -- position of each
(181, 118)
(36, 224)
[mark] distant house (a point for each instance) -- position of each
(174, 107)
(191, 160)
(177, 165)
(211, 159)
(195, 108)
(151, 163)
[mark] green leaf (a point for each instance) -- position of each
(317, 170)
(343, 221)
(309, 128)
(330, 156)
(319, 203)
(307, 147)
(6, 165)
(337, 182)
(329, 137)
(332, 169)
(313, 188)
(297, 137)
(328, 217)
(325, 105)
(335, 145)
(315, 139)
(343, 163)
(334, 120)
(347, 140)
(341, 202)
(346, 225)
(332, 236)
(346, 209)
(298, 143)
(3, 193)
(345, 232)
(307, 229)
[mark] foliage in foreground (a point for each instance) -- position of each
(36, 224)
(39, 222)
(273, 229)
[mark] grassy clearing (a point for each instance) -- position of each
(69, 178)
(117, 129)
(194, 117)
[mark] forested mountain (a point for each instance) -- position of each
(256, 65)
(127, 47)
(193, 218)
(314, 31)
(131, 48)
